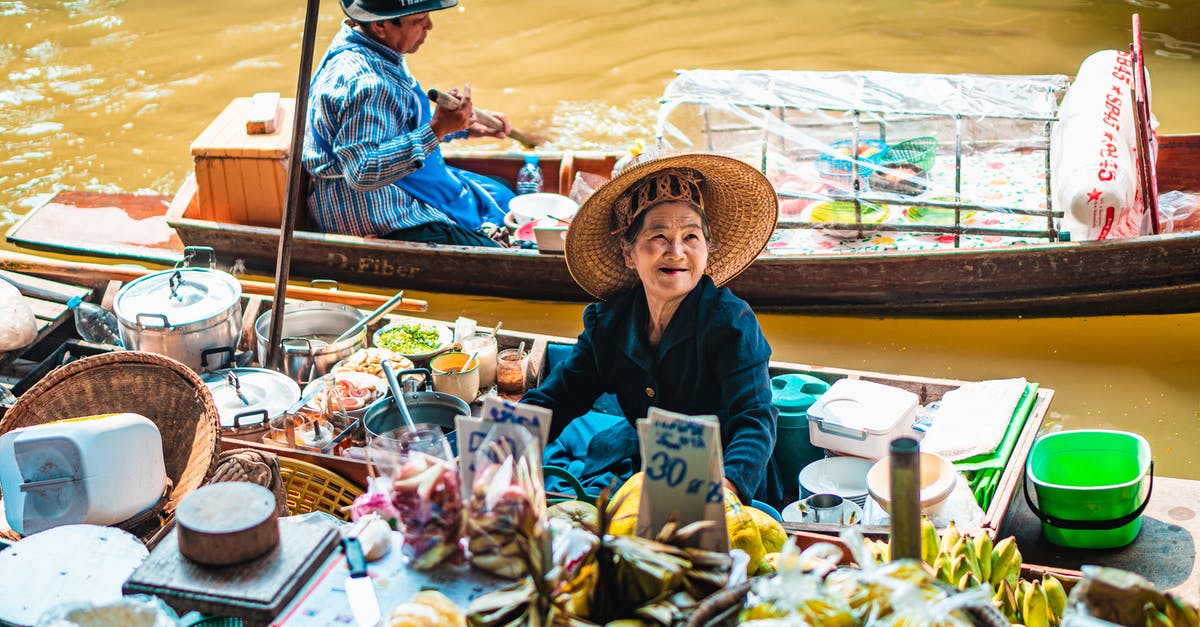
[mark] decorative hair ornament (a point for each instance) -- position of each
(676, 184)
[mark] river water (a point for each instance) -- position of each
(108, 94)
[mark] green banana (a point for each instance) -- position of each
(1006, 562)
(929, 541)
(983, 557)
(949, 538)
(1008, 601)
(1035, 611)
(1056, 596)
(1155, 618)
(1181, 612)
(968, 549)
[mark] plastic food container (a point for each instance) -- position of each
(861, 418)
(97, 470)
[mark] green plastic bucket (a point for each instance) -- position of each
(1091, 485)
(792, 395)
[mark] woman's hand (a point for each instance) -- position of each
(446, 121)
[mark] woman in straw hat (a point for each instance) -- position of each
(655, 244)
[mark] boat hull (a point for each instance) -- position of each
(1145, 275)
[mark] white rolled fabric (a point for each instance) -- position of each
(18, 325)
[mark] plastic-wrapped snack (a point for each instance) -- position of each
(425, 492)
(508, 500)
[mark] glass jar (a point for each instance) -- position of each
(485, 344)
(510, 370)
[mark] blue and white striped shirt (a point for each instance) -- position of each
(364, 134)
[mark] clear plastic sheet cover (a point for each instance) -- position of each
(968, 95)
(938, 154)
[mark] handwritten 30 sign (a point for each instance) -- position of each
(683, 475)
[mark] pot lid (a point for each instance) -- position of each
(182, 296)
(796, 392)
(242, 395)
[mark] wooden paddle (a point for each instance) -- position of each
(444, 100)
(67, 271)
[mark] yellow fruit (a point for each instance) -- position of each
(743, 532)
(772, 533)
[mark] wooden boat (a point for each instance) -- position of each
(1142, 275)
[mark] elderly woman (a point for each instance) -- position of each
(654, 245)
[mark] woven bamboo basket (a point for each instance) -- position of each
(311, 488)
(157, 387)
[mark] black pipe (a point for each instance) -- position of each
(295, 189)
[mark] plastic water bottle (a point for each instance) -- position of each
(529, 179)
(95, 323)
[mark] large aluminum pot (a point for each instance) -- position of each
(308, 329)
(181, 313)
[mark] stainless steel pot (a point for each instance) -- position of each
(248, 398)
(425, 406)
(308, 329)
(181, 313)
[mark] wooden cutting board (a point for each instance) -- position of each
(254, 591)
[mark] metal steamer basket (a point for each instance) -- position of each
(181, 313)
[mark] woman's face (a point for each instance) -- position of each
(670, 253)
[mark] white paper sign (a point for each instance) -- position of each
(472, 431)
(684, 475)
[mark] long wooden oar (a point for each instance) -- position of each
(93, 273)
(447, 101)
(295, 185)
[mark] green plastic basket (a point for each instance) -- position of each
(919, 151)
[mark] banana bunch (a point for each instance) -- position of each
(504, 499)
(965, 561)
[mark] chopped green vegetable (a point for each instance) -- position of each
(410, 339)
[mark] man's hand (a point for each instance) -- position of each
(446, 121)
(478, 129)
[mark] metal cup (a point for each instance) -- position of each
(825, 508)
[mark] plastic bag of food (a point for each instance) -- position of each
(912, 609)
(425, 491)
(507, 501)
(797, 589)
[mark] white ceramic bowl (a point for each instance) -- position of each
(937, 482)
(529, 207)
(844, 476)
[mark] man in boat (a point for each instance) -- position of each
(372, 146)
(655, 244)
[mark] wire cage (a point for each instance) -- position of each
(931, 148)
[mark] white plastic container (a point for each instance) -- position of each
(861, 418)
(96, 470)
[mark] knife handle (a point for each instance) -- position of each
(354, 557)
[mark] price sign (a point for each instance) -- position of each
(472, 431)
(683, 475)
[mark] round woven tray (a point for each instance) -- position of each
(157, 387)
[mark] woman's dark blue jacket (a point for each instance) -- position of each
(712, 359)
